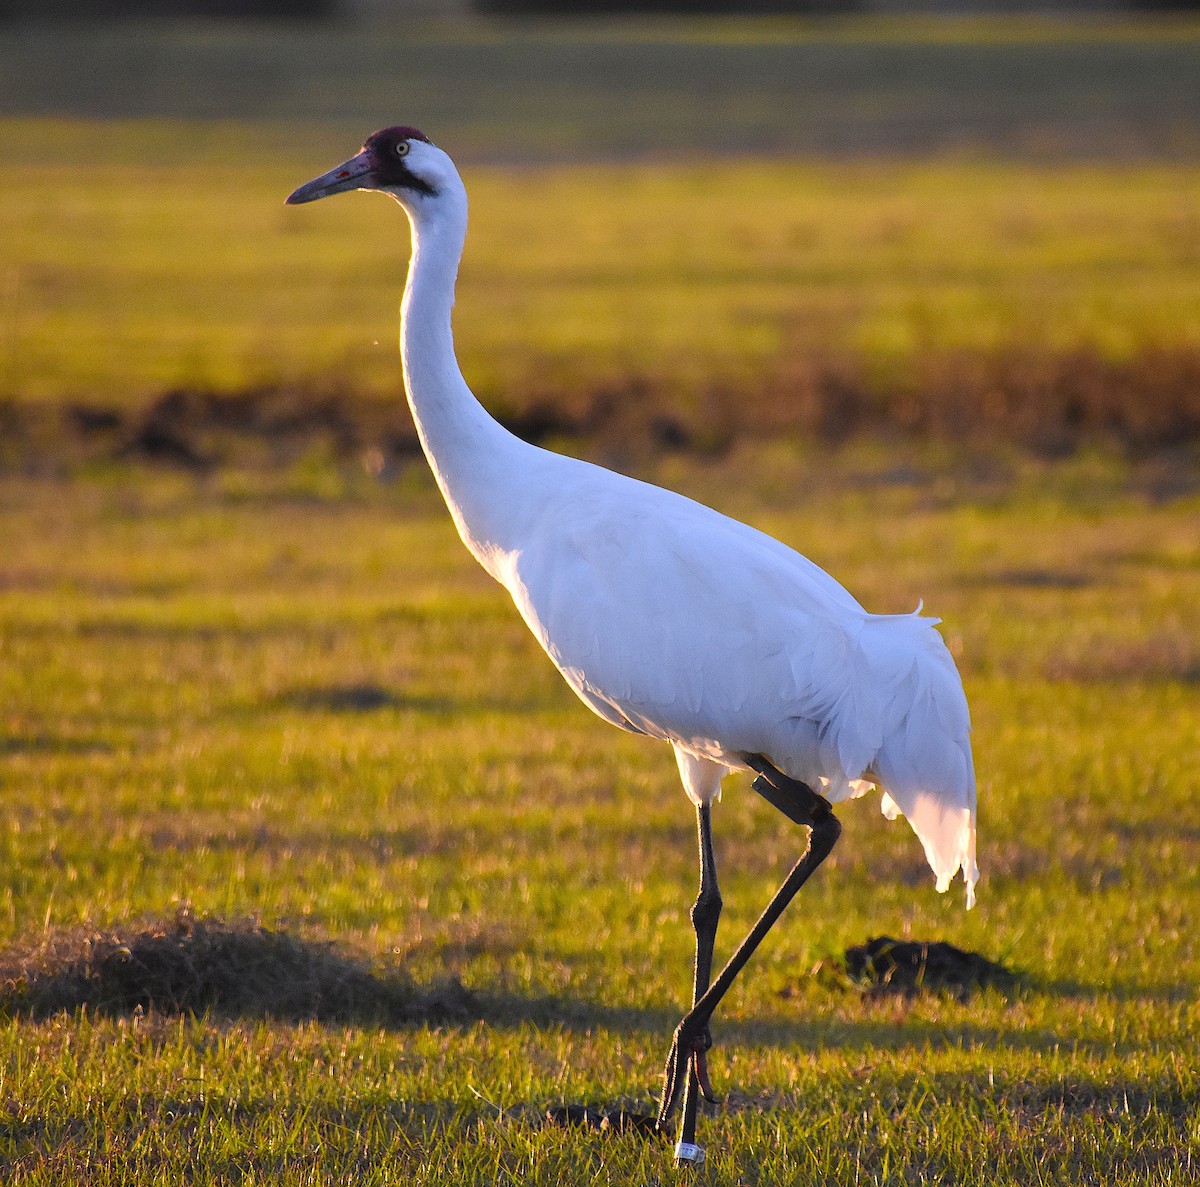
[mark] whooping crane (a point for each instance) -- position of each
(671, 620)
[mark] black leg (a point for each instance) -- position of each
(801, 804)
(706, 910)
(706, 913)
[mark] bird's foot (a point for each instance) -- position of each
(700, 1066)
(689, 1052)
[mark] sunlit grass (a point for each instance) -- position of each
(180, 660)
(174, 273)
(290, 695)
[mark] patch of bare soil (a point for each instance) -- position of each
(193, 965)
(1048, 402)
(340, 698)
(908, 967)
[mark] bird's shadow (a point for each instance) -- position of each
(241, 969)
(190, 965)
(237, 971)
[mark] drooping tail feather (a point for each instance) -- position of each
(924, 764)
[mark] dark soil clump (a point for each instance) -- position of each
(907, 967)
(612, 1121)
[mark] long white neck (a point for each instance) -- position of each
(475, 460)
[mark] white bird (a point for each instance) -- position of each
(671, 620)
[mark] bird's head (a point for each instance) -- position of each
(398, 161)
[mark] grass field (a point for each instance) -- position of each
(925, 288)
(769, 228)
(300, 701)
(592, 90)
(314, 871)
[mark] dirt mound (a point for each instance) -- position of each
(906, 967)
(191, 965)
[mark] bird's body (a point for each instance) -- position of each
(664, 616)
(672, 620)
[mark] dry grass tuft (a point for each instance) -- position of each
(1048, 401)
(192, 965)
(1162, 655)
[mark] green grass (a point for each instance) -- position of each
(549, 89)
(162, 271)
(932, 186)
(177, 656)
(288, 694)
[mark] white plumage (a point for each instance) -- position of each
(672, 620)
(666, 617)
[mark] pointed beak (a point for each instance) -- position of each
(355, 174)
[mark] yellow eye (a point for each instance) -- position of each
(402, 147)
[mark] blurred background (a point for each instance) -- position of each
(692, 223)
